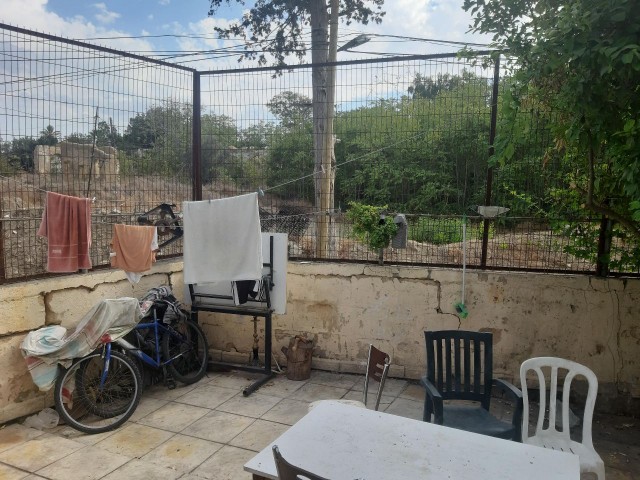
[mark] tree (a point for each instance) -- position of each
(425, 86)
(276, 28)
(292, 109)
(48, 136)
(20, 152)
(578, 63)
(257, 135)
(219, 138)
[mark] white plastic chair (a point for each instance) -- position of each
(378, 364)
(550, 437)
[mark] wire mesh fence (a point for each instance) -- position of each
(88, 122)
(411, 135)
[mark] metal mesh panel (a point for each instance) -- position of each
(88, 123)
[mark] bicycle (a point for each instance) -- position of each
(101, 391)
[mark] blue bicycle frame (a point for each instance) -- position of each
(157, 328)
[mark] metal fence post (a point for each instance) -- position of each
(196, 135)
(492, 137)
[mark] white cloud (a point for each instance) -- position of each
(164, 2)
(34, 15)
(104, 15)
(150, 16)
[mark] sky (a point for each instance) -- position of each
(166, 28)
(172, 29)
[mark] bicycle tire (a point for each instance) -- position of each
(187, 345)
(87, 408)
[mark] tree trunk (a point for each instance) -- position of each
(319, 16)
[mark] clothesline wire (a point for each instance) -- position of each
(274, 216)
(349, 161)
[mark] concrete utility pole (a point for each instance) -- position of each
(327, 171)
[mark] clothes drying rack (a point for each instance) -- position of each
(260, 307)
(257, 308)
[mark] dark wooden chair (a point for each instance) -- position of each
(459, 383)
(286, 471)
(378, 364)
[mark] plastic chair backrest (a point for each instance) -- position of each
(377, 369)
(572, 369)
(460, 364)
(287, 471)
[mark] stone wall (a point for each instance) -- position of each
(347, 306)
(57, 301)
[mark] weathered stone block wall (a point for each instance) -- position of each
(57, 301)
(347, 306)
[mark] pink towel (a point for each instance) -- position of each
(132, 245)
(66, 222)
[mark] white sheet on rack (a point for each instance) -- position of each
(222, 240)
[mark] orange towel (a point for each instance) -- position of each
(132, 247)
(66, 223)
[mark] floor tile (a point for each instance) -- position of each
(10, 473)
(394, 386)
(162, 392)
(134, 440)
(313, 391)
(71, 433)
(385, 400)
(258, 435)
(287, 411)
(218, 426)
(413, 392)
(146, 406)
(255, 405)
(234, 380)
(90, 463)
(207, 396)
(182, 453)
(281, 386)
(15, 434)
(406, 408)
(174, 416)
(34, 454)
(226, 464)
(340, 380)
(141, 470)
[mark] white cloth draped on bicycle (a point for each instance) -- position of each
(45, 348)
(222, 240)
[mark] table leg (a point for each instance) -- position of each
(258, 477)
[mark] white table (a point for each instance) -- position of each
(342, 442)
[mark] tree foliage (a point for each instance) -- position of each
(577, 62)
(371, 225)
(48, 136)
(291, 109)
(276, 27)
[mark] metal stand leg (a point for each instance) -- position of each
(255, 359)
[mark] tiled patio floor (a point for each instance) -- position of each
(209, 430)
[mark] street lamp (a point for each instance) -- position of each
(355, 42)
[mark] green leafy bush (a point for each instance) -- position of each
(369, 226)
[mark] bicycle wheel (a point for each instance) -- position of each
(186, 346)
(91, 408)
